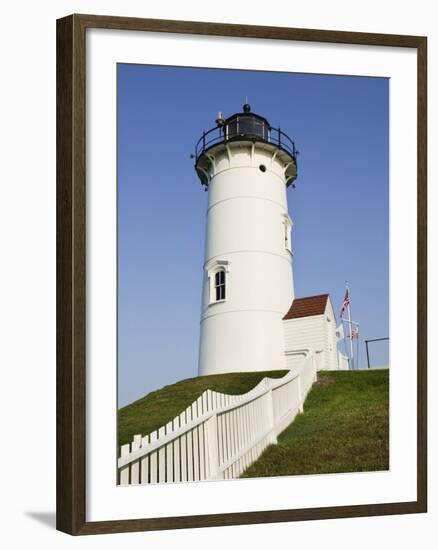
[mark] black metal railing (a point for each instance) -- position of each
(245, 126)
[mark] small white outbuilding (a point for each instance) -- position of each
(311, 323)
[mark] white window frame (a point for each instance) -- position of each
(218, 285)
(287, 232)
(212, 268)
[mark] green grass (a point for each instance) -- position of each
(161, 406)
(344, 428)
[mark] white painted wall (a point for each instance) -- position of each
(247, 209)
(316, 332)
(342, 361)
(303, 332)
(331, 350)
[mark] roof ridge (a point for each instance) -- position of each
(313, 296)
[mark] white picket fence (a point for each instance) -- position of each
(219, 436)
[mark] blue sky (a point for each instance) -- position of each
(339, 205)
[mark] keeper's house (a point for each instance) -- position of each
(310, 323)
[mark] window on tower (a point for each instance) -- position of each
(217, 280)
(219, 285)
(287, 228)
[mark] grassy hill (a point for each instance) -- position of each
(159, 407)
(344, 428)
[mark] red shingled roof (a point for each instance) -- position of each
(308, 306)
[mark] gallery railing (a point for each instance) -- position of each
(247, 127)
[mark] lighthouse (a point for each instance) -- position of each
(246, 166)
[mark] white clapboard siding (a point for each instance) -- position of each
(317, 332)
(219, 436)
(307, 331)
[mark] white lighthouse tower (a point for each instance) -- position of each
(246, 166)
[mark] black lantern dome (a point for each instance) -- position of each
(249, 127)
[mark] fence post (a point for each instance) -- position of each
(135, 466)
(300, 395)
(124, 472)
(271, 419)
(212, 447)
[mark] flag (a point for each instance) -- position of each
(339, 332)
(345, 303)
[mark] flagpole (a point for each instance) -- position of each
(357, 349)
(345, 340)
(349, 324)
